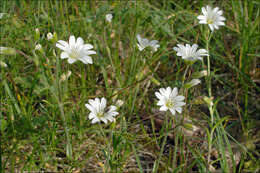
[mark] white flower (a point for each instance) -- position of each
(76, 50)
(154, 44)
(3, 64)
(65, 76)
(143, 43)
(99, 111)
(190, 53)
(49, 36)
(37, 30)
(109, 17)
(212, 17)
(1, 15)
(38, 47)
(119, 103)
(170, 100)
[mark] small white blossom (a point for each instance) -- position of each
(2, 15)
(100, 112)
(65, 76)
(49, 36)
(144, 42)
(154, 44)
(170, 100)
(212, 17)
(119, 103)
(76, 50)
(38, 47)
(3, 64)
(109, 18)
(37, 30)
(190, 53)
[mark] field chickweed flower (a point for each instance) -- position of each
(190, 53)
(2, 15)
(143, 43)
(3, 64)
(212, 17)
(38, 47)
(109, 18)
(99, 111)
(170, 100)
(49, 36)
(76, 50)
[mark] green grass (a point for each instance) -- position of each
(44, 123)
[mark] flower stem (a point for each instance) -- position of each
(184, 75)
(163, 144)
(210, 105)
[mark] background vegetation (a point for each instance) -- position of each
(33, 99)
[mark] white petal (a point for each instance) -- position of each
(140, 47)
(163, 91)
(172, 111)
(179, 98)
(201, 17)
(72, 40)
(179, 104)
(163, 108)
(91, 115)
(204, 11)
(112, 108)
(211, 27)
(64, 55)
(203, 22)
(178, 109)
(158, 95)
(104, 120)
(88, 46)
(95, 120)
(86, 60)
(110, 118)
(174, 92)
(62, 47)
(71, 61)
(90, 52)
(103, 103)
(220, 12)
(79, 41)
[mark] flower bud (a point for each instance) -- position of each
(199, 74)
(49, 36)
(37, 34)
(192, 83)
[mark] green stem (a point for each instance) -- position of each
(184, 75)
(108, 144)
(61, 108)
(210, 106)
(163, 144)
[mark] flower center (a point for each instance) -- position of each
(100, 114)
(169, 103)
(74, 54)
(210, 21)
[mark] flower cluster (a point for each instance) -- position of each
(75, 50)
